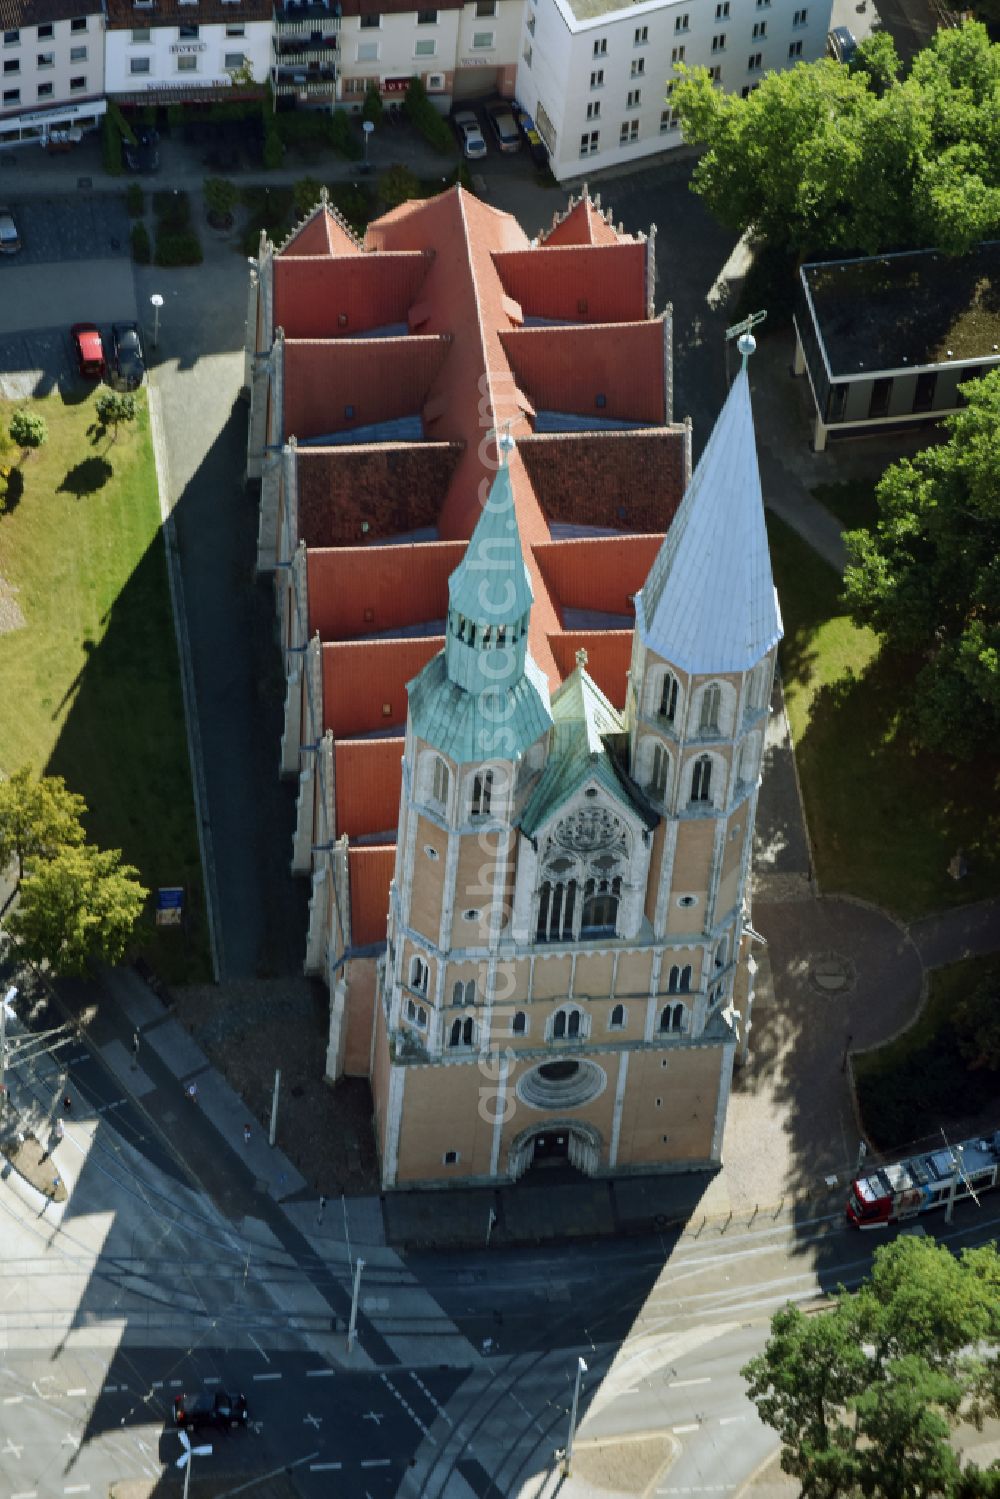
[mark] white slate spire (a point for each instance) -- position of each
(709, 603)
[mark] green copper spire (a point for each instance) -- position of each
(490, 597)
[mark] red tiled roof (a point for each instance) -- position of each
(630, 481)
(321, 233)
(344, 295)
(578, 283)
(569, 369)
(609, 655)
(370, 872)
(584, 224)
(366, 772)
(364, 682)
(599, 572)
(364, 591)
(388, 488)
(377, 379)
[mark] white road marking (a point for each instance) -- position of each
(10, 1450)
(177, 1384)
(677, 1430)
(310, 1420)
(157, 1384)
(13, 1399)
(26, 1494)
(728, 1420)
(681, 1384)
(375, 1416)
(437, 1406)
(69, 1440)
(324, 1467)
(258, 1348)
(212, 1379)
(77, 1488)
(111, 1389)
(409, 1409)
(76, 1392)
(376, 1462)
(267, 1376)
(321, 1374)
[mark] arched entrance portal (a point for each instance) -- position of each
(566, 1140)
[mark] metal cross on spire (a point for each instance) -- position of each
(504, 441)
(746, 343)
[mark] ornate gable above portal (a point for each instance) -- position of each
(590, 829)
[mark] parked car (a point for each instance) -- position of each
(144, 154)
(217, 1409)
(504, 128)
(470, 135)
(126, 354)
(842, 44)
(89, 349)
(537, 149)
(10, 240)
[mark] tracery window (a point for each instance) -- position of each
(582, 870)
(672, 1018)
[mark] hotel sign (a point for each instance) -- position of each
(189, 47)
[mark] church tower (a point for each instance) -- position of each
(707, 631)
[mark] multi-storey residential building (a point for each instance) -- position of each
(52, 56)
(526, 727)
(173, 51)
(596, 75)
(459, 50)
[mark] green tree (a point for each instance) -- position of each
(114, 407)
(81, 905)
(28, 430)
(977, 1025)
(927, 576)
(221, 197)
(305, 195)
(821, 157)
(38, 817)
(398, 185)
(864, 1396)
(372, 108)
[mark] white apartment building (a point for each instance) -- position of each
(173, 51)
(460, 51)
(52, 56)
(596, 75)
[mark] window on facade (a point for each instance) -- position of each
(600, 907)
(419, 975)
(601, 47)
(188, 33)
(519, 1024)
(682, 22)
(755, 61)
(187, 65)
(78, 23)
(45, 91)
(719, 42)
(11, 65)
(881, 394)
(794, 49)
(440, 782)
(617, 1020)
(722, 11)
(668, 697)
(45, 33)
(46, 59)
(759, 30)
(800, 17)
(667, 120)
(715, 73)
(597, 78)
(672, 1018)
(711, 704)
(138, 64)
(78, 54)
(12, 37)
(486, 7)
(416, 1014)
(77, 84)
(594, 110)
(12, 96)
(235, 31)
(641, 36)
(425, 47)
(482, 40)
(633, 98)
(373, 20)
(676, 55)
(701, 779)
(367, 52)
(450, 1158)
(658, 775)
(566, 1025)
(462, 1033)
(141, 34)
(638, 67)
(482, 793)
(679, 979)
(589, 142)
(556, 904)
(427, 17)
(923, 395)
(464, 992)
(233, 60)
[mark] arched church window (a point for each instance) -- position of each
(419, 975)
(600, 907)
(679, 981)
(519, 1024)
(566, 1025)
(617, 1021)
(711, 706)
(658, 776)
(701, 779)
(462, 1033)
(482, 793)
(672, 1019)
(440, 782)
(667, 708)
(556, 909)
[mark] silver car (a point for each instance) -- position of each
(10, 240)
(470, 135)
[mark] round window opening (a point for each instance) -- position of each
(563, 1084)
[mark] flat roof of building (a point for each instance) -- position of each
(596, 10)
(917, 309)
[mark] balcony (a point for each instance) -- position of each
(313, 80)
(304, 52)
(302, 17)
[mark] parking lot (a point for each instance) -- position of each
(89, 236)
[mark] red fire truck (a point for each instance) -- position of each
(893, 1193)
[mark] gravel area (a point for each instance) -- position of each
(627, 1466)
(11, 616)
(250, 1027)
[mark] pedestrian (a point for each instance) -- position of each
(135, 1050)
(60, 1130)
(67, 1103)
(319, 1215)
(193, 1092)
(246, 1134)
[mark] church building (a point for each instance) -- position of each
(530, 873)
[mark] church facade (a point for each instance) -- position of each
(564, 968)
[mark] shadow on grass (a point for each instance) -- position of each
(14, 492)
(87, 477)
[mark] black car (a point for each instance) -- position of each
(126, 354)
(216, 1409)
(142, 155)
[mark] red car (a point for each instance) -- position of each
(89, 350)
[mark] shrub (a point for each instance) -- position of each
(28, 429)
(141, 248)
(426, 119)
(135, 200)
(354, 202)
(172, 210)
(305, 195)
(177, 247)
(398, 185)
(114, 407)
(274, 147)
(372, 107)
(342, 136)
(111, 147)
(221, 197)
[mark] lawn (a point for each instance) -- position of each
(852, 501)
(885, 819)
(94, 671)
(921, 1076)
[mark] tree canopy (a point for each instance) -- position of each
(822, 157)
(864, 1396)
(928, 576)
(37, 818)
(79, 905)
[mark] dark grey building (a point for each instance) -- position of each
(888, 339)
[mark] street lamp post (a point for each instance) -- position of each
(184, 1461)
(581, 1369)
(6, 1010)
(352, 1326)
(157, 303)
(366, 129)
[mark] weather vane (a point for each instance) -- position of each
(746, 343)
(504, 441)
